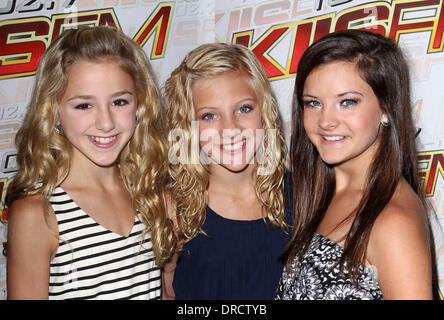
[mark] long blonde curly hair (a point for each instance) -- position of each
(189, 181)
(43, 155)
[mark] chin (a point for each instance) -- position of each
(332, 160)
(105, 163)
(236, 168)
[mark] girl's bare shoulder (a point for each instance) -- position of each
(405, 207)
(27, 207)
(29, 218)
(403, 221)
(399, 247)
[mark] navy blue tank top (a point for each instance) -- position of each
(236, 260)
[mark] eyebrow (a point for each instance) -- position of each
(338, 95)
(198, 109)
(248, 99)
(309, 96)
(89, 97)
(83, 97)
(349, 92)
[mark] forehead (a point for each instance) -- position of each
(96, 79)
(90, 70)
(335, 77)
(227, 84)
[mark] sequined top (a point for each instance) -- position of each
(314, 279)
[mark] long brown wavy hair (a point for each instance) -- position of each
(188, 182)
(43, 156)
(382, 65)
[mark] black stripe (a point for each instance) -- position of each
(147, 260)
(94, 224)
(117, 250)
(137, 222)
(96, 244)
(130, 266)
(72, 219)
(61, 202)
(66, 210)
(142, 293)
(58, 194)
(84, 226)
(86, 236)
(108, 282)
(70, 261)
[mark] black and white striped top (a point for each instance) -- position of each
(93, 262)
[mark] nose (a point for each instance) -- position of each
(328, 118)
(230, 127)
(105, 119)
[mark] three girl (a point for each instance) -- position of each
(88, 209)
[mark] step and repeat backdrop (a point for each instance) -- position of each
(277, 32)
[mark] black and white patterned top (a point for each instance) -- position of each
(93, 262)
(314, 279)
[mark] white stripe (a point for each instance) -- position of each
(104, 266)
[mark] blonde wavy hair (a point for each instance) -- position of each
(43, 155)
(188, 182)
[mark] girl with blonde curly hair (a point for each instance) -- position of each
(87, 213)
(226, 177)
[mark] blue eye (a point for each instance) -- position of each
(208, 116)
(312, 104)
(348, 103)
(245, 109)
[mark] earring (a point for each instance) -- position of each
(59, 130)
(385, 120)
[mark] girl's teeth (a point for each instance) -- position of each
(231, 147)
(104, 140)
(333, 138)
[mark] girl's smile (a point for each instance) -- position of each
(234, 147)
(229, 115)
(341, 114)
(98, 110)
(104, 142)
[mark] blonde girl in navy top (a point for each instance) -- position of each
(87, 218)
(226, 171)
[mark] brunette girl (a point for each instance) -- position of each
(360, 224)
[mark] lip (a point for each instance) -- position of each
(332, 139)
(104, 142)
(234, 147)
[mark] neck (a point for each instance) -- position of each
(353, 173)
(347, 180)
(226, 181)
(84, 173)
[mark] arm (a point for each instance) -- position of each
(30, 247)
(168, 269)
(399, 248)
(167, 278)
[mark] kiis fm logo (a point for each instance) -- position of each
(389, 19)
(431, 166)
(23, 41)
